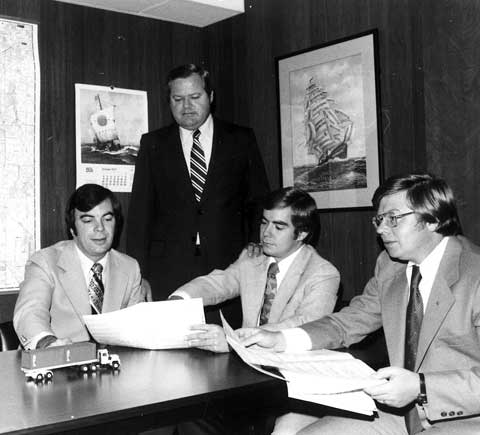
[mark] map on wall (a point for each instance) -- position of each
(19, 149)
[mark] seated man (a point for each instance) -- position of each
(288, 285)
(75, 277)
(426, 294)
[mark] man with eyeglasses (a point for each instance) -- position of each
(425, 293)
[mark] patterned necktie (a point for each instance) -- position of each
(198, 167)
(95, 289)
(414, 319)
(270, 292)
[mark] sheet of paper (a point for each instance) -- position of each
(324, 376)
(148, 325)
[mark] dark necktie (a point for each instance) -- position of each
(270, 292)
(95, 289)
(412, 332)
(198, 167)
(414, 319)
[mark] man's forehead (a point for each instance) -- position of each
(395, 201)
(187, 84)
(283, 214)
(103, 208)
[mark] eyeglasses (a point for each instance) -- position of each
(391, 220)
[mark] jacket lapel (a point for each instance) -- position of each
(252, 298)
(289, 284)
(394, 316)
(176, 161)
(441, 298)
(72, 280)
(115, 281)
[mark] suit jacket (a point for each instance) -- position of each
(449, 343)
(54, 295)
(164, 216)
(308, 290)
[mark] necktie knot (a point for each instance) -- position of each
(196, 134)
(97, 269)
(415, 278)
(273, 270)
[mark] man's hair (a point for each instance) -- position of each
(430, 197)
(184, 71)
(304, 216)
(87, 197)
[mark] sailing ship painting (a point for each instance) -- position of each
(330, 151)
(104, 145)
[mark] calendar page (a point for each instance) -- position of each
(109, 125)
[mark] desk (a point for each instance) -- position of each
(152, 388)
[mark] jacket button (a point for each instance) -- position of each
(451, 413)
(200, 211)
(443, 414)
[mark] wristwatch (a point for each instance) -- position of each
(422, 397)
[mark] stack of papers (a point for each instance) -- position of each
(148, 325)
(326, 377)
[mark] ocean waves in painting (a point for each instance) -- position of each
(332, 175)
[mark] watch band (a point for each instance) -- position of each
(422, 397)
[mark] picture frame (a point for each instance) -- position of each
(329, 124)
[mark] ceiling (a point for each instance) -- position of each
(199, 13)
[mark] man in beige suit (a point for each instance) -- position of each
(426, 295)
(306, 285)
(79, 276)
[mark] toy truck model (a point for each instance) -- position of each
(37, 364)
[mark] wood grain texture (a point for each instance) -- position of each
(429, 91)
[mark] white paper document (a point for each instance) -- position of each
(148, 325)
(323, 376)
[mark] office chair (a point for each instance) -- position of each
(8, 337)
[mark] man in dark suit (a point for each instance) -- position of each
(197, 189)
(426, 295)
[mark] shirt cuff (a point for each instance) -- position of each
(296, 340)
(181, 294)
(32, 343)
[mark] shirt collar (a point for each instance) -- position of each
(87, 263)
(430, 264)
(206, 130)
(283, 265)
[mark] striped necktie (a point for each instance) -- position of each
(198, 167)
(95, 289)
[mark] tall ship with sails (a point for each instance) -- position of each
(327, 128)
(103, 125)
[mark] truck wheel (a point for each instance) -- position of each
(93, 367)
(115, 365)
(84, 368)
(49, 376)
(39, 377)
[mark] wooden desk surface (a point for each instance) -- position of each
(148, 382)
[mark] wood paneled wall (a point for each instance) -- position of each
(429, 77)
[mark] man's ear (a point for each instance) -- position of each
(301, 236)
(432, 226)
(211, 97)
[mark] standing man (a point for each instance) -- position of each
(76, 277)
(196, 192)
(426, 295)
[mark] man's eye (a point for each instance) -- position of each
(279, 227)
(86, 220)
(109, 218)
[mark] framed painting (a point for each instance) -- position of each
(328, 100)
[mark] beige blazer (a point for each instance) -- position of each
(54, 295)
(308, 290)
(449, 343)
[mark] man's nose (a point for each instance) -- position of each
(99, 226)
(187, 103)
(383, 227)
